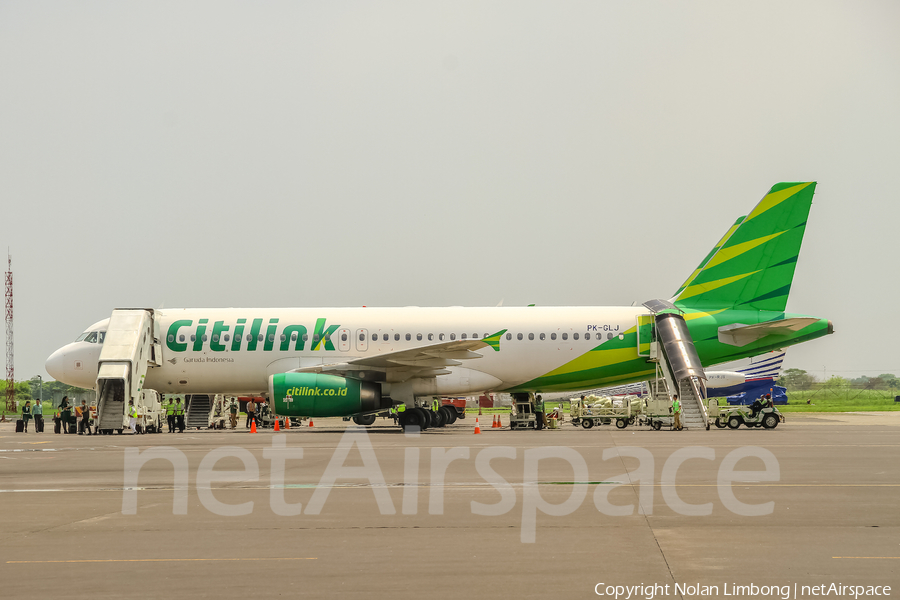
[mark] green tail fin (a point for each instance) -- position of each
(753, 265)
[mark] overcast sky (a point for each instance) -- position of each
(185, 154)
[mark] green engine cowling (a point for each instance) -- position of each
(318, 395)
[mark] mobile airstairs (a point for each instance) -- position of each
(130, 348)
(664, 338)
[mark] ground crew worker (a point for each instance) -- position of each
(170, 415)
(676, 410)
(251, 413)
(179, 416)
(132, 416)
(539, 412)
(233, 409)
(435, 404)
(85, 418)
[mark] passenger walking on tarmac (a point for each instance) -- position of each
(676, 410)
(65, 413)
(132, 416)
(251, 413)
(170, 415)
(233, 410)
(38, 413)
(26, 414)
(85, 418)
(539, 412)
(179, 416)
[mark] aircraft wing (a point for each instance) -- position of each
(431, 360)
(739, 334)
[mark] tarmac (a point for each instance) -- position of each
(80, 520)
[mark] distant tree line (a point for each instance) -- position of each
(51, 391)
(799, 380)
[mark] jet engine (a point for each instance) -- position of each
(319, 395)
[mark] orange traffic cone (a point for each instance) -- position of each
(277, 428)
(477, 428)
(253, 426)
(287, 422)
(310, 423)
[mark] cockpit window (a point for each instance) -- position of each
(92, 337)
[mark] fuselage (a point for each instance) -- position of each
(231, 350)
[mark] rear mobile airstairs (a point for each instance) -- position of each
(665, 339)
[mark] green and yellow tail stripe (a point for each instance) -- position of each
(712, 252)
(753, 266)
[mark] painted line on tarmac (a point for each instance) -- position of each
(450, 486)
(129, 560)
(870, 557)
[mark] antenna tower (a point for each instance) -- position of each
(10, 369)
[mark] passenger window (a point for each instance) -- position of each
(441, 336)
(396, 337)
(343, 337)
(193, 338)
(587, 336)
(327, 338)
(316, 338)
(305, 337)
(609, 335)
(374, 337)
(216, 337)
(259, 338)
(565, 336)
(519, 337)
(419, 337)
(552, 336)
(530, 336)
(362, 337)
(462, 337)
(181, 338)
(430, 337)
(293, 337)
(543, 337)
(508, 336)
(385, 337)
(249, 337)
(452, 336)
(204, 337)
(574, 336)
(408, 337)
(271, 337)
(475, 336)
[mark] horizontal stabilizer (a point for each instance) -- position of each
(740, 335)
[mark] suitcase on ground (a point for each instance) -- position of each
(57, 426)
(73, 428)
(39, 425)
(20, 426)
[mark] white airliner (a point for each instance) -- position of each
(342, 361)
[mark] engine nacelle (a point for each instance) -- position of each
(318, 395)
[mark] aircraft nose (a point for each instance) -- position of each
(54, 365)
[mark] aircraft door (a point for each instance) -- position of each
(362, 340)
(645, 334)
(344, 340)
